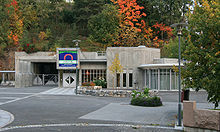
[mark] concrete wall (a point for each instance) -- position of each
(24, 66)
(130, 58)
(165, 61)
(195, 118)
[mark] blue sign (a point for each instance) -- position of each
(68, 59)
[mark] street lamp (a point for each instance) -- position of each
(179, 27)
(77, 46)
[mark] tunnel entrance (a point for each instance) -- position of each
(45, 73)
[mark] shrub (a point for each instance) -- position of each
(88, 84)
(143, 99)
(101, 82)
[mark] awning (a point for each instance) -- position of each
(149, 66)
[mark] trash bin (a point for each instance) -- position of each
(186, 94)
(182, 95)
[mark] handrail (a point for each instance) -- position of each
(7, 71)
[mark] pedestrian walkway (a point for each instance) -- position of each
(5, 118)
(60, 91)
(162, 116)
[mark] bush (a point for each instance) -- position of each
(101, 82)
(143, 99)
(88, 84)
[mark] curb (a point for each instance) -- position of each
(5, 118)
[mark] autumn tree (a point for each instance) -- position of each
(115, 68)
(15, 30)
(135, 31)
(203, 51)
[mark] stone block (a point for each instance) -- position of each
(206, 119)
(188, 113)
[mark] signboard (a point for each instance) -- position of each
(67, 58)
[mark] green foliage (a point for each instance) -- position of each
(101, 82)
(103, 26)
(143, 99)
(203, 51)
(83, 10)
(148, 102)
(144, 94)
(171, 49)
(163, 11)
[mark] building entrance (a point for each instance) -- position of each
(69, 80)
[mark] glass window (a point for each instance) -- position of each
(174, 80)
(164, 79)
(92, 75)
(147, 79)
(154, 79)
(124, 79)
(118, 80)
(130, 80)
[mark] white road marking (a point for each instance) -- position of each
(15, 93)
(60, 91)
(54, 91)
(85, 124)
(8, 97)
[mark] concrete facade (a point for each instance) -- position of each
(24, 66)
(134, 60)
(130, 58)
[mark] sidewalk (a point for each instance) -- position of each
(161, 116)
(5, 118)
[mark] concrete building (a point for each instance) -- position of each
(142, 67)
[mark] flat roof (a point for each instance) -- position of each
(93, 60)
(147, 66)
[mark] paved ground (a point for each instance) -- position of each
(47, 109)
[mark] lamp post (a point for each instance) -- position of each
(179, 27)
(77, 46)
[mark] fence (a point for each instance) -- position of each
(45, 79)
(7, 78)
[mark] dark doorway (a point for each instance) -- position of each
(45, 68)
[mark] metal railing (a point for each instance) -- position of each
(45, 79)
(7, 78)
(101, 53)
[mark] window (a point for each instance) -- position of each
(92, 74)
(147, 79)
(124, 79)
(130, 80)
(164, 79)
(154, 79)
(118, 79)
(174, 81)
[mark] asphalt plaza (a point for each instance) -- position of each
(43, 109)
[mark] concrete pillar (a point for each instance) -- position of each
(30, 78)
(188, 113)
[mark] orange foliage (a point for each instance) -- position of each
(16, 23)
(133, 29)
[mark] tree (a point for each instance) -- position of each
(83, 10)
(170, 50)
(104, 26)
(203, 51)
(116, 67)
(134, 30)
(164, 11)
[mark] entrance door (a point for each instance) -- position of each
(69, 80)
